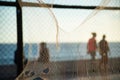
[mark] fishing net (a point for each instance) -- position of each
(55, 40)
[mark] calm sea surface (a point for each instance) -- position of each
(65, 51)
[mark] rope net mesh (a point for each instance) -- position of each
(55, 40)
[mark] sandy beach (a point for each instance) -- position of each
(77, 70)
(70, 70)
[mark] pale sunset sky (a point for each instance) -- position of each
(40, 25)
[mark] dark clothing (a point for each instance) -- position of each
(93, 54)
(104, 48)
(44, 55)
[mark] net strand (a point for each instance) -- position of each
(96, 10)
(57, 26)
(41, 4)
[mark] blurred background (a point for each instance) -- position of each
(26, 23)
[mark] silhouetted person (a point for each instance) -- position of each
(103, 48)
(44, 53)
(91, 49)
(37, 70)
(43, 59)
(92, 46)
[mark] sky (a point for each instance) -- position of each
(39, 24)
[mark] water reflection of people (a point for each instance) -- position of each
(104, 48)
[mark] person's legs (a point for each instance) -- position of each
(93, 56)
(93, 61)
(105, 61)
(101, 62)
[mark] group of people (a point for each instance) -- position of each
(92, 47)
(102, 47)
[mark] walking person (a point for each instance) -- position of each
(104, 49)
(91, 48)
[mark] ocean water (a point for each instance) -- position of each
(65, 51)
